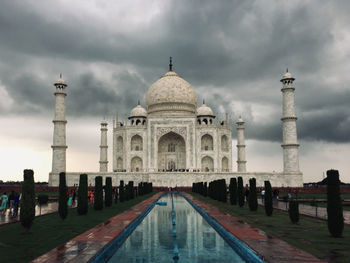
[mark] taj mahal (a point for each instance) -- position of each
(172, 141)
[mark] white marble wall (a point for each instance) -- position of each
(185, 179)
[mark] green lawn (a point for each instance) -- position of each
(309, 234)
(50, 231)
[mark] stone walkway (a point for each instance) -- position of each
(269, 248)
(85, 246)
(45, 209)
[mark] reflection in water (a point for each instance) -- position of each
(136, 239)
(152, 240)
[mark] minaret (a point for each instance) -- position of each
(59, 133)
(290, 141)
(241, 162)
(103, 147)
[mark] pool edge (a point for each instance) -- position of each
(245, 251)
(107, 252)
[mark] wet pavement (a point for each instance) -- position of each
(49, 208)
(269, 248)
(85, 246)
(308, 210)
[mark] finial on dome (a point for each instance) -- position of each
(171, 64)
(60, 75)
(287, 70)
(138, 102)
(203, 101)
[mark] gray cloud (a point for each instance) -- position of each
(232, 53)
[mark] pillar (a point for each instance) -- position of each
(290, 141)
(241, 162)
(59, 133)
(103, 147)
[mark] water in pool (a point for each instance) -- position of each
(152, 241)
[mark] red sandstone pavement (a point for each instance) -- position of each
(85, 246)
(269, 248)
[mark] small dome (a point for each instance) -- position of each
(138, 111)
(104, 122)
(240, 120)
(287, 75)
(204, 110)
(170, 93)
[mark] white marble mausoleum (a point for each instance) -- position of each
(172, 141)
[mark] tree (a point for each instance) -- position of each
(126, 192)
(240, 191)
(83, 203)
(27, 204)
(334, 204)
(131, 189)
(233, 191)
(63, 198)
(121, 191)
(223, 191)
(253, 200)
(98, 202)
(108, 192)
(268, 198)
(293, 211)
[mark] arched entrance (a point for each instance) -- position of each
(207, 142)
(224, 165)
(136, 164)
(224, 143)
(207, 164)
(171, 152)
(136, 143)
(120, 164)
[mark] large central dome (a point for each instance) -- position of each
(171, 94)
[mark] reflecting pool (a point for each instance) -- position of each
(153, 239)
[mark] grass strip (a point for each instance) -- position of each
(50, 231)
(310, 234)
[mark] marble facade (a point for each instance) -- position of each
(172, 142)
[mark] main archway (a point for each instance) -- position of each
(171, 152)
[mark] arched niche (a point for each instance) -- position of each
(136, 143)
(224, 143)
(207, 164)
(207, 142)
(136, 164)
(120, 163)
(120, 144)
(224, 164)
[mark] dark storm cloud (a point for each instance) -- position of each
(231, 52)
(92, 96)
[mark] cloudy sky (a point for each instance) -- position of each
(232, 52)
